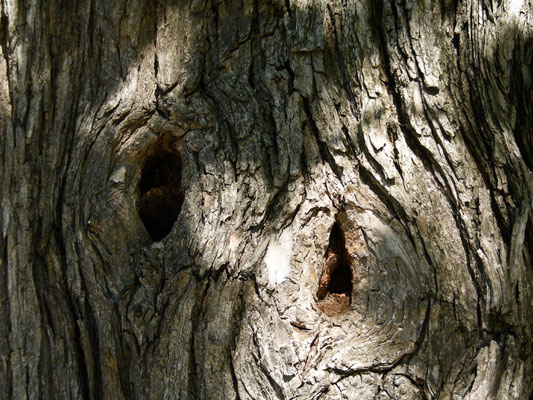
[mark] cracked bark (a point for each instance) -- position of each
(403, 125)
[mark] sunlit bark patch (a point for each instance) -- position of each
(335, 286)
(160, 194)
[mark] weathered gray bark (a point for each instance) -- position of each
(391, 139)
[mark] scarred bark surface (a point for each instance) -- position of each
(172, 173)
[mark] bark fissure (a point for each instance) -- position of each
(324, 150)
(87, 390)
(342, 65)
(410, 117)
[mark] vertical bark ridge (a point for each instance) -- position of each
(404, 122)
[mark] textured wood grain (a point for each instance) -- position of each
(407, 123)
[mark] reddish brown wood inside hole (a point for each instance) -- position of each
(160, 193)
(335, 285)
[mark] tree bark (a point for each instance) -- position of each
(266, 199)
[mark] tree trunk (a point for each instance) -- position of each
(266, 199)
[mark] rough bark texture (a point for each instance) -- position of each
(387, 140)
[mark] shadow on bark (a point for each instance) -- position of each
(267, 110)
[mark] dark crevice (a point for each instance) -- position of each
(522, 98)
(88, 388)
(290, 82)
(239, 316)
(124, 360)
(4, 32)
(277, 201)
(456, 43)
(192, 371)
(7, 321)
(292, 20)
(234, 380)
(325, 153)
(160, 192)
(431, 90)
(42, 286)
(254, 35)
(372, 160)
(335, 286)
(349, 141)
(341, 63)
(94, 341)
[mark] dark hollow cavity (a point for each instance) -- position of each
(337, 273)
(160, 193)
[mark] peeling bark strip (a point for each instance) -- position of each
(172, 180)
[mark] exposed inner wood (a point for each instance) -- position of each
(335, 285)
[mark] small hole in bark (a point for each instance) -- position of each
(160, 192)
(335, 287)
(432, 90)
(455, 41)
